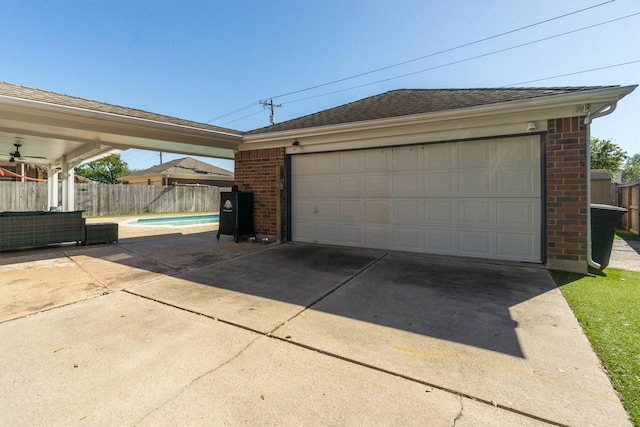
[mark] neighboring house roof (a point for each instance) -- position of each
(404, 102)
(39, 95)
(186, 166)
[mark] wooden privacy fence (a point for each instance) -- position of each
(107, 200)
(629, 198)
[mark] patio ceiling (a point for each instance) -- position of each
(53, 129)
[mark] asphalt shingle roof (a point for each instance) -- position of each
(395, 103)
(32, 94)
(185, 166)
(404, 102)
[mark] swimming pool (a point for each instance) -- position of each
(176, 221)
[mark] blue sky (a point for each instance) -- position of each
(200, 60)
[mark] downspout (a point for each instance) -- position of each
(607, 109)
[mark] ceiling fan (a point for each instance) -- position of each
(17, 155)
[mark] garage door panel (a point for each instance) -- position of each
(475, 183)
(440, 183)
(407, 184)
(407, 238)
(474, 243)
(475, 154)
(518, 213)
(305, 186)
(351, 162)
(520, 151)
(441, 241)
(440, 212)
(517, 246)
(378, 185)
(304, 165)
(350, 211)
(478, 212)
(350, 185)
(327, 232)
(327, 210)
(303, 208)
(304, 231)
(439, 156)
(406, 158)
(408, 212)
(473, 198)
(327, 163)
(377, 236)
(377, 159)
(517, 182)
(377, 211)
(352, 235)
(327, 186)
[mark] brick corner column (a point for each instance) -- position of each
(257, 171)
(566, 194)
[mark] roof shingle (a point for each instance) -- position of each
(185, 166)
(404, 102)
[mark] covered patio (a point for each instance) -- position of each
(60, 132)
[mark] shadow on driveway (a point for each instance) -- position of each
(465, 302)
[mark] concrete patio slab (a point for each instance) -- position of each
(501, 334)
(171, 326)
(275, 383)
(187, 251)
(106, 361)
(262, 290)
(32, 282)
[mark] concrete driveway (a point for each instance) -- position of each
(178, 329)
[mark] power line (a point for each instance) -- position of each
(241, 118)
(442, 51)
(574, 73)
(467, 59)
(255, 103)
(510, 85)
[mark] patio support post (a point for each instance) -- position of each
(52, 187)
(68, 199)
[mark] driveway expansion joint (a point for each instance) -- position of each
(87, 272)
(270, 334)
(329, 292)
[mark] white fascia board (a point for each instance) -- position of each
(481, 121)
(118, 124)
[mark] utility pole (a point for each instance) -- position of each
(160, 157)
(269, 104)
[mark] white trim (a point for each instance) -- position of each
(474, 122)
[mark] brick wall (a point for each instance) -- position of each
(566, 178)
(257, 171)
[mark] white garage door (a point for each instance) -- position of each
(472, 198)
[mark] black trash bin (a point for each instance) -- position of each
(236, 214)
(604, 220)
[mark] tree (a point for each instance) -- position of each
(606, 155)
(631, 169)
(106, 170)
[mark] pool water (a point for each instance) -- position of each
(177, 221)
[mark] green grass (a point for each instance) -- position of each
(626, 235)
(608, 309)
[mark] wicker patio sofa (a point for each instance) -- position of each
(38, 228)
